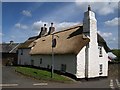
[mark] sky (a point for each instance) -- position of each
(21, 20)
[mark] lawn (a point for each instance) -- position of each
(41, 74)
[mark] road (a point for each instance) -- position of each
(11, 79)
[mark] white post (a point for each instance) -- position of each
(52, 73)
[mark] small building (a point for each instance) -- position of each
(24, 57)
(9, 54)
(79, 50)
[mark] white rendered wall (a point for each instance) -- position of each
(104, 61)
(25, 58)
(69, 60)
(90, 29)
(81, 64)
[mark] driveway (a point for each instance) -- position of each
(11, 79)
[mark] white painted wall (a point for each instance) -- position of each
(25, 58)
(69, 60)
(104, 61)
(93, 62)
(90, 29)
(81, 64)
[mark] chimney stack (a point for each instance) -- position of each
(43, 31)
(51, 29)
(11, 42)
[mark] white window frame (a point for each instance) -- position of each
(32, 62)
(21, 53)
(41, 60)
(101, 69)
(100, 51)
(63, 67)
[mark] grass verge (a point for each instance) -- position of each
(41, 74)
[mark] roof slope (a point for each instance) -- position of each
(7, 47)
(102, 42)
(68, 41)
(26, 44)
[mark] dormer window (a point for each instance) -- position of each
(100, 51)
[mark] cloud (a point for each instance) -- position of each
(57, 25)
(21, 26)
(108, 36)
(102, 8)
(113, 22)
(38, 24)
(63, 25)
(27, 13)
(12, 36)
(105, 34)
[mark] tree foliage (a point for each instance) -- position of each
(117, 53)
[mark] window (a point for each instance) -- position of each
(48, 66)
(63, 67)
(40, 60)
(21, 51)
(100, 51)
(101, 67)
(32, 62)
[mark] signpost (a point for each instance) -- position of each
(53, 46)
(52, 56)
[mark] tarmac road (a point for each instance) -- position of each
(11, 79)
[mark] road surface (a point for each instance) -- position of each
(11, 79)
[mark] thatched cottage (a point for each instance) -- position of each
(79, 50)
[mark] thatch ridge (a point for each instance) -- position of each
(68, 42)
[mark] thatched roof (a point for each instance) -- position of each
(8, 47)
(26, 44)
(68, 41)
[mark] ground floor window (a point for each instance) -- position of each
(63, 67)
(48, 66)
(101, 69)
(40, 60)
(32, 62)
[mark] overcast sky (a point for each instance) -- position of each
(21, 20)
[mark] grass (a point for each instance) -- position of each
(41, 74)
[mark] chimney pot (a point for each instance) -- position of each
(89, 8)
(51, 24)
(44, 24)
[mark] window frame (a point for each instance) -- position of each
(100, 51)
(41, 61)
(32, 62)
(63, 67)
(101, 69)
(21, 53)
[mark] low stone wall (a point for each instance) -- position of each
(114, 70)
